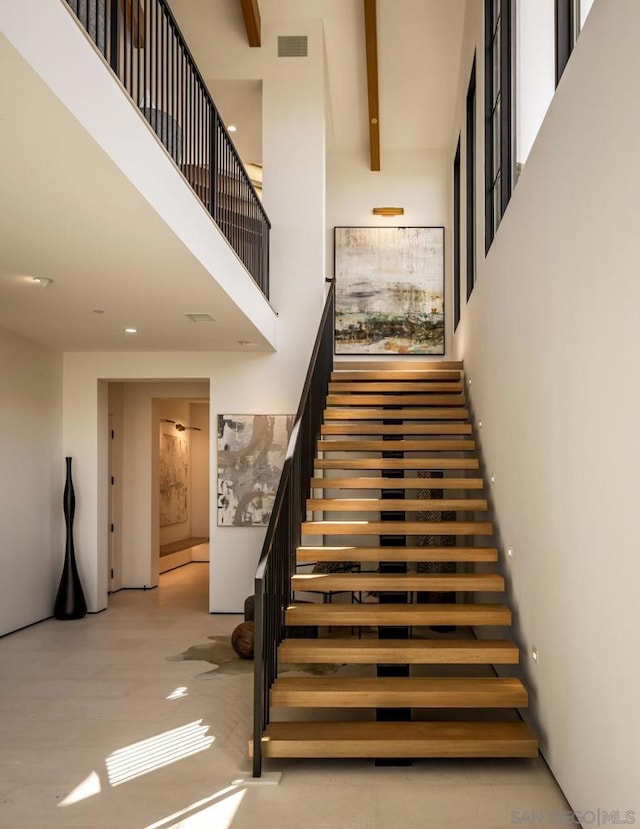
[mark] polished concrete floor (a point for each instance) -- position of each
(100, 730)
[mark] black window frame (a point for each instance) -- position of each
(499, 106)
(457, 270)
(567, 28)
(470, 154)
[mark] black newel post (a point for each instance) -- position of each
(70, 601)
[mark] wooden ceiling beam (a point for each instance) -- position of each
(371, 42)
(251, 14)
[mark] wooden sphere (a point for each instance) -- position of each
(242, 640)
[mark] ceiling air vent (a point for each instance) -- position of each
(292, 46)
(200, 317)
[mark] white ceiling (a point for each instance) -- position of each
(69, 214)
(419, 47)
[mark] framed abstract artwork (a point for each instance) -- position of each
(251, 453)
(389, 290)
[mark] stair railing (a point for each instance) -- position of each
(143, 45)
(277, 561)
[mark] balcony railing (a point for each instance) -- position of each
(142, 43)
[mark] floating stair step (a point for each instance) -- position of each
(399, 739)
(397, 463)
(397, 483)
(395, 400)
(404, 504)
(398, 692)
(401, 374)
(397, 528)
(447, 554)
(352, 651)
(371, 614)
(396, 414)
(448, 428)
(398, 582)
(412, 386)
(386, 364)
(459, 445)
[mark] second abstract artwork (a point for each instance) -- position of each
(251, 453)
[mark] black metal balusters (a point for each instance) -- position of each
(277, 561)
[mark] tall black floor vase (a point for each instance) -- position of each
(70, 601)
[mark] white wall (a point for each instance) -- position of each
(32, 483)
(550, 339)
(419, 181)
(200, 451)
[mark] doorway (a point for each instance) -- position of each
(147, 419)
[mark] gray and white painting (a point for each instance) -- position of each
(251, 453)
(389, 290)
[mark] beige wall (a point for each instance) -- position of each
(32, 482)
(418, 181)
(551, 341)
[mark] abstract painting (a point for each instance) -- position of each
(251, 453)
(174, 472)
(389, 290)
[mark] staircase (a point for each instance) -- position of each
(392, 579)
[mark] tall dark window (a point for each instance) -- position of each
(471, 181)
(567, 29)
(456, 238)
(499, 111)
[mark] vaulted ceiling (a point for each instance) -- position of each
(419, 46)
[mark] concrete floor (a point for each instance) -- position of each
(75, 698)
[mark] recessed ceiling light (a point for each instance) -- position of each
(42, 281)
(130, 330)
(232, 128)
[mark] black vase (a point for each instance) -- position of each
(70, 601)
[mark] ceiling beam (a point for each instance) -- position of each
(251, 14)
(371, 42)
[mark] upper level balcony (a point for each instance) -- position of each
(121, 184)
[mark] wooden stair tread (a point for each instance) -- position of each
(397, 374)
(402, 582)
(402, 364)
(397, 614)
(412, 386)
(399, 739)
(399, 651)
(364, 428)
(399, 692)
(397, 463)
(396, 414)
(397, 483)
(344, 553)
(397, 528)
(403, 504)
(459, 445)
(403, 399)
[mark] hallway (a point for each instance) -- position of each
(76, 696)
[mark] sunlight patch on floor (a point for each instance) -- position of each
(219, 814)
(88, 787)
(148, 755)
